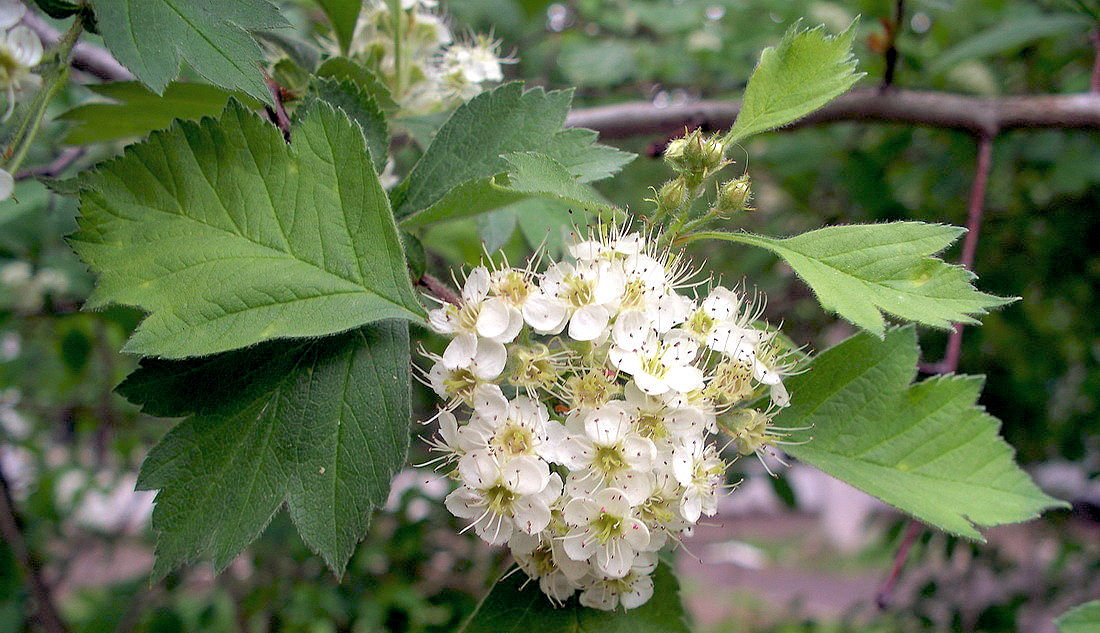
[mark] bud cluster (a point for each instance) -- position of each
(593, 391)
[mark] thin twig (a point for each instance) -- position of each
(11, 528)
(64, 160)
(278, 113)
(977, 115)
(86, 57)
(975, 210)
(892, 45)
(439, 289)
(912, 531)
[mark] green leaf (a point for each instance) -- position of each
(345, 69)
(531, 175)
(806, 70)
(927, 449)
(859, 270)
(320, 425)
(1007, 36)
(480, 141)
(496, 227)
(342, 14)
(140, 111)
(361, 108)
(515, 605)
(151, 37)
(229, 237)
(1084, 618)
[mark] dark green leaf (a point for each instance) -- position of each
(345, 69)
(342, 14)
(152, 37)
(321, 425)
(515, 605)
(1007, 36)
(362, 109)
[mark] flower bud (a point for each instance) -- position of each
(671, 195)
(734, 196)
(695, 154)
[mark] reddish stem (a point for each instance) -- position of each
(1094, 37)
(912, 531)
(439, 289)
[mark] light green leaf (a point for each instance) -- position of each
(140, 111)
(320, 425)
(514, 605)
(530, 175)
(345, 69)
(229, 237)
(926, 449)
(151, 37)
(859, 270)
(1084, 618)
(342, 14)
(1006, 37)
(496, 227)
(361, 108)
(806, 70)
(471, 147)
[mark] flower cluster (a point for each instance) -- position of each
(593, 389)
(20, 52)
(439, 70)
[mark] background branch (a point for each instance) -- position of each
(89, 58)
(983, 116)
(11, 529)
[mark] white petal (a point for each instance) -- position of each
(610, 284)
(521, 543)
(637, 534)
(588, 323)
(576, 452)
(464, 503)
(641, 590)
(599, 597)
(491, 404)
(448, 428)
(545, 314)
(631, 330)
(684, 379)
(614, 561)
(11, 12)
(606, 424)
(579, 544)
(721, 304)
(477, 285)
(525, 475)
(649, 384)
(479, 470)
(531, 514)
(612, 501)
(765, 374)
(635, 484)
(580, 512)
(780, 397)
(691, 506)
(441, 320)
(639, 452)
(587, 250)
(515, 324)
(489, 360)
(493, 318)
(7, 184)
(680, 349)
(460, 351)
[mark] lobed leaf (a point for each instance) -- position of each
(360, 108)
(342, 15)
(927, 448)
(480, 141)
(320, 425)
(152, 37)
(228, 236)
(806, 70)
(860, 271)
(514, 604)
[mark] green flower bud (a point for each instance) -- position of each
(734, 196)
(671, 195)
(695, 154)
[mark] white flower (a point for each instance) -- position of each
(502, 497)
(604, 529)
(660, 420)
(657, 364)
(508, 429)
(543, 557)
(616, 245)
(20, 51)
(610, 452)
(477, 314)
(699, 470)
(581, 294)
(467, 363)
(632, 590)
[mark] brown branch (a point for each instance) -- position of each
(912, 531)
(891, 53)
(89, 58)
(978, 115)
(439, 289)
(10, 528)
(64, 160)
